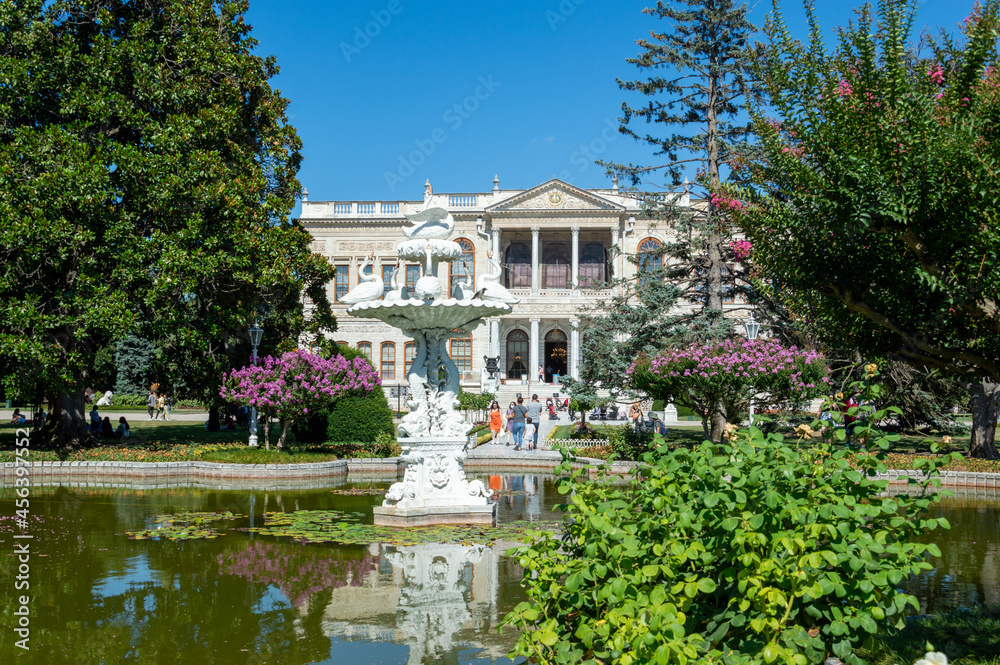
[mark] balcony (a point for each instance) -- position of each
(463, 200)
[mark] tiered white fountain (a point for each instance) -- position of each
(434, 489)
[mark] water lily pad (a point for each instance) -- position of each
(334, 526)
(183, 526)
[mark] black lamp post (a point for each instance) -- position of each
(752, 328)
(256, 334)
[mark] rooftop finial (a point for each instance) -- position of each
(496, 183)
(428, 190)
(614, 182)
(305, 194)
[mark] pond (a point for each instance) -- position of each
(99, 597)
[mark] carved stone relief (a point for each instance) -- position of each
(345, 246)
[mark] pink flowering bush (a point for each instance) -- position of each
(297, 381)
(717, 379)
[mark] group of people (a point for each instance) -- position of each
(520, 423)
(159, 405)
(102, 428)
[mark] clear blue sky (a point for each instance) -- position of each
(388, 93)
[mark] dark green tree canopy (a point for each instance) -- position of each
(148, 169)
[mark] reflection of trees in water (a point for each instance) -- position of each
(968, 571)
(298, 571)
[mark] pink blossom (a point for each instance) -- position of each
(936, 74)
(844, 89)
(741, 249)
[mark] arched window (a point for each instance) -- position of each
(650, 255)
(461, 353)
(388, 364)
(555, 266)
(517, 354)
(366, 349)
(518, 265)
(466, 265)
(343, 343)
(593, 265)
(409, 353)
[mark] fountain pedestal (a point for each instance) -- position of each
(434, 489)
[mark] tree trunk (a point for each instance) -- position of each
(66, 427)
(285, 426)
(718, 426)
(985, 410)
(213, 418)
(267, 430)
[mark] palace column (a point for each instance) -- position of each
(573, 352)
(575, 274)
(496, 246)
(533, 353)
(495, 337)
(614, 243)
(535, 281)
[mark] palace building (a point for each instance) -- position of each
(555, 243)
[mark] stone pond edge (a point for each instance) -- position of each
(389, 467)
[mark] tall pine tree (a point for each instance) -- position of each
(695, 87)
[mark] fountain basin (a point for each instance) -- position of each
(449, 314)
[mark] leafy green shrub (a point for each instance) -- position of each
(582, 430)
(735, 553)
(685, 412)
(135, 399)
(360, 418)
(627, 443)
(658, 405)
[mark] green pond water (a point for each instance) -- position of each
(98, 597)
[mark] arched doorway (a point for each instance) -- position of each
(517, 354)
(555, 355)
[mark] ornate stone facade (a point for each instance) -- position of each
(559, 247)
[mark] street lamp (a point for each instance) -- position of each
(752, 328)
(256, 333)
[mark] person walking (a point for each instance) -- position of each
(151, 404)
(161, 407)
(534, 409)
(496, 422)
(530, 430)
(518, 430)
(509, 420)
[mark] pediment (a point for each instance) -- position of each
(554, 195)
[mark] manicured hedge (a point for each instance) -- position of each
(360, 418)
